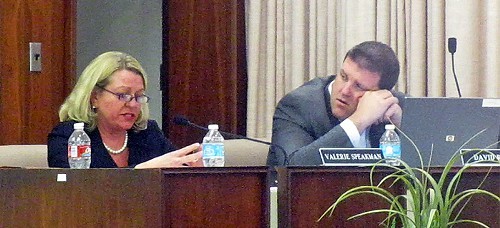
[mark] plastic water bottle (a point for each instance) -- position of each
(79, 148)
(391, 145)
(213, 147)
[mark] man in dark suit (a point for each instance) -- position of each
(344, 111)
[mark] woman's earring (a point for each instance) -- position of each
(93, 108)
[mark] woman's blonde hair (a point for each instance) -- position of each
(77, 106)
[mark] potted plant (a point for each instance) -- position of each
(428, 202)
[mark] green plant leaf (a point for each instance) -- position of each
(428, 203)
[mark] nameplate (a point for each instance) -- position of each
(490, 157)
(350, 156)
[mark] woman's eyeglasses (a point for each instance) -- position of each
(141, 99)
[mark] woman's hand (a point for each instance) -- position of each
(189, 155)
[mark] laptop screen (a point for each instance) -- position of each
(445, 124)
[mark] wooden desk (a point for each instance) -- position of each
(480, 208)
(185, 197)
(304, 193)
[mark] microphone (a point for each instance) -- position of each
(452, 45)
(183, 121)
(452, 48)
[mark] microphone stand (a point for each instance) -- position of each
(452, 48)
(180, 120)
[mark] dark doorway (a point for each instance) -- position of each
(203, 72)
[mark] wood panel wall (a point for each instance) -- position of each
(30, 100)
(204, 66)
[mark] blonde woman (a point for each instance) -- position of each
(110, 98)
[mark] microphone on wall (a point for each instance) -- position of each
(183, 121)
(452, 48)
(452, 45)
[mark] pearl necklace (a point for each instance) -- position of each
(121, 149)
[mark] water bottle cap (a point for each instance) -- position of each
(390, 127)
(78, 126)
(213, 127)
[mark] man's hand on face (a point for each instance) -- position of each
(394, 115)
(376, 107)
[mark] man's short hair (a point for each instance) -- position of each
(378, 58)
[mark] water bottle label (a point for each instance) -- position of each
(85, 150)
(391, 151)
(79, 151)
(212, 149)
(72, 152)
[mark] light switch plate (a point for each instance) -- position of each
(35, 57)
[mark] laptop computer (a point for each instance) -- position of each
(445, 124)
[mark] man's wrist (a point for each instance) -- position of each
(358, 123)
